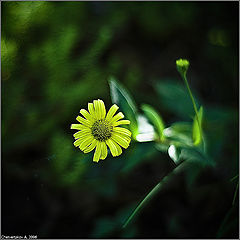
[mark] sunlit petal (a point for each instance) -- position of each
(111, 112)
(97, 153)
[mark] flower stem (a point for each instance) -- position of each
(152, 193)
(235, 194)
(193, 102)
(191, 96)
(235, 177)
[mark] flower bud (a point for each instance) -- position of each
(182, 66)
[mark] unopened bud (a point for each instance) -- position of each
(182, 66)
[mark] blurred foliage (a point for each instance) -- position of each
(58, 56)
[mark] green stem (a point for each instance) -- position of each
(235, 195)
(193, 102)
(235, 177)
(152, 193)
(225, 220)
(191, 96)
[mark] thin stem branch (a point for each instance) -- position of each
(152, 193)
(191, 96)
(194, 104)
(235, 194)
(234, 178)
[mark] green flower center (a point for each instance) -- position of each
(101, 130)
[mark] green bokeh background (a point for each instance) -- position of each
(58, 56)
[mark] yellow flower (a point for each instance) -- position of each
(99, 130)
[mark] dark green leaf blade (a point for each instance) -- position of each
(174, 98)
(122, 98)
(155, 119)
(196, 155)
(180, 133)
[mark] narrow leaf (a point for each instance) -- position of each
(179, 132)
(197, 128)
(122, 98)
(155, 119)
(196, 155)
(173, 96)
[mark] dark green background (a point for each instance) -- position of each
(57, 57)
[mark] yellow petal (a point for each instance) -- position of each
(102, 109)
(78, 126)
(122, 131)
(86, 142)
(81, 134)
(97, 109)
(86, 114)
(97, 152)
(117, 117)
(112, 147)
(119, 149)
(91, 110)
(121, 140)
(111, 112)
(126, 138)
(83, 121)
(91, 147)
(121, 122)
(103, 150)
(77, 142)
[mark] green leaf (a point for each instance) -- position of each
(162, 147)
(192, 173)
(155, 119)
(197, 128)
(174, 98)
(180, 133)
(122, 98)
(196, 155)
(140, 153)
(182, 127)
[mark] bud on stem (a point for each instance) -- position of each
(182, 66)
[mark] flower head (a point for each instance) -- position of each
(182, 66)
(99, 130)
